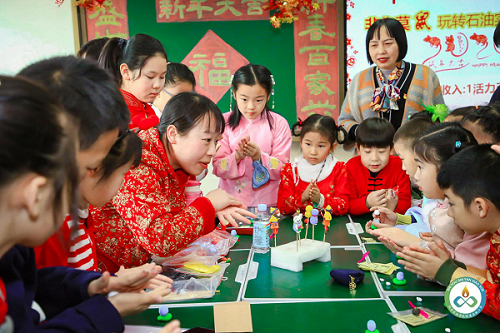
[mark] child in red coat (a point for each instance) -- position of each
(139, 65)
(376, 178)
(316, 178)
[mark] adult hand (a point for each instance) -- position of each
(233, 213)
(220, 199)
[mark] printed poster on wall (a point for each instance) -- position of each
(110, 20)
(316, 61)
(210, 10)
(212, 62)
(453, 38)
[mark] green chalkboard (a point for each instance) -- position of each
(257, 41)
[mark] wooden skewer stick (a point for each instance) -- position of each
(307, 229)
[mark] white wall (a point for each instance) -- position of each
(31, 30)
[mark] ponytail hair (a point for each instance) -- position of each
(442, 141)
(324, 125)
(134, 52)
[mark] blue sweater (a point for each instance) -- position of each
(60, 291)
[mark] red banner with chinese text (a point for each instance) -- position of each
(316, 61)
(213, 61)
(210, 10)
(111, 20)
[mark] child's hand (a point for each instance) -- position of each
(378, 225)
(134, 281)
(220, 199)
(314, 193)
(230, 214)
(173, 327)
(398, 236)
(131, 303)
(252, 151)
(422, 261)
(390, 244)
(156, 281)
(306, 194)
(387, 216)
(426, 236)
(392, 199)
(239, 154)
(376, 198)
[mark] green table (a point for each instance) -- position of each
(288, 317)
(337, 234)
(314, 282)
(229, 289)
(481, 323)
(380, 254)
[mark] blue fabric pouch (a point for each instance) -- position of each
(260, 175)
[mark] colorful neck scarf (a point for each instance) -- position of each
(386, 98)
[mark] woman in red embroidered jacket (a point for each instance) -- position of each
(139, 66)
(316, 178)
(149, 215)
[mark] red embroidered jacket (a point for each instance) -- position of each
(334, 188)
(149, 216)
(361, 183)
(142, 115)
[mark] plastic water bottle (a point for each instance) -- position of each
(260, 242)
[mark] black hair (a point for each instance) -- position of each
(496, 35)
(487, 117)
(92, 49)
(472, 173)
(440, 142)
(185, 110)
(134, 52)
(127, 148)
(375, 132)
(394, 29)
(37, 136)
(85, 91)
(250, 75)
(324, 125)
(413, 129)
(177, 72)
(463, 111)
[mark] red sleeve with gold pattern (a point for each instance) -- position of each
(338, 194)
(145, 204)
(289, 197)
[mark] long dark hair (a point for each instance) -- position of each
(134, 52)
(250, 75)
(86, 91)
(37, 136)
(323, 125)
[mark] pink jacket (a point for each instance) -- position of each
(275, 146)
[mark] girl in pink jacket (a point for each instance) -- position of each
(256, 143)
